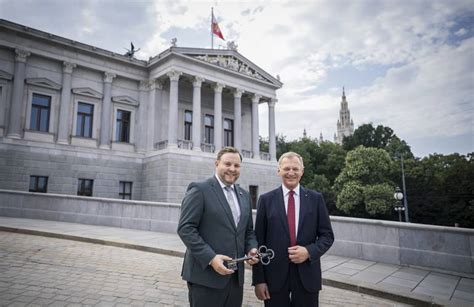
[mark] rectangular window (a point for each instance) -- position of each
(209, 129)
(188, 125)
(85, 115)
(84, 187)
(125, 190)
(40, 112)
(253, 191)
(228, 132)
(123, 126)
(38, 184)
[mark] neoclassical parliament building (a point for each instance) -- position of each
(79, 120)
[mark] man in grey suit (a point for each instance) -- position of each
(216, 225)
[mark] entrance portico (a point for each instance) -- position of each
(232, 82)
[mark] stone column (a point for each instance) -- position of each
(15, 122)
(142, 122)
(65, 105)
(255, 140)
(173, 109)
(271, 129)
(157, 119)
(106, 117)
(238, 118)
(149, 134)
(197, 113)
(218, 116)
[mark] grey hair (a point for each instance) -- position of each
(290, 154)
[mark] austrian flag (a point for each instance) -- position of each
(215, 28)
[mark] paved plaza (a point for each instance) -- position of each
(42, 271)
(134, 266)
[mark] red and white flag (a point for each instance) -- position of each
(215, 28)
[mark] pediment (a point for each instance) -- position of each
(233, 63)
(43, 82)
(87, 91)
(5, 75)
(231, 60)
(125, 100)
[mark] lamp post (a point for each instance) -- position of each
(398, 195)
(405, 204)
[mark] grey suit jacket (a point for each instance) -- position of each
(207, 228)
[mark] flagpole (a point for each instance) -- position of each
(212, 35)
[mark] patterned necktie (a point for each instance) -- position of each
(291, 218)
(232, 204)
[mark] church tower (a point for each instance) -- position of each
(345, 125)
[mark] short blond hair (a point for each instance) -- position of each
(228, 149)
(290, 154)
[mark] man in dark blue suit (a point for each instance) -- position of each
(294, 222)
(216, 225)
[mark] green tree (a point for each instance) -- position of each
(440, 190)
(364, 187)
(379, 137)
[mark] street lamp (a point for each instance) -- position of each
(398, 206)
(405, 204)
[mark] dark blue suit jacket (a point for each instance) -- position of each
(314, 232)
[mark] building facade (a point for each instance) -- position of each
(76, 119)
(345, 125)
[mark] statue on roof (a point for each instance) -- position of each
(131, 52)
(231, 45)
(174, 42)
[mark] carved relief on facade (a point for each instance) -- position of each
(231, 63)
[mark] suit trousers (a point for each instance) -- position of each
(230, 296)
(293, 293)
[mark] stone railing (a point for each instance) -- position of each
(161, 144)
(265, 156)
(247, 154)
(446, 248)
(206, 147)
(185, 144)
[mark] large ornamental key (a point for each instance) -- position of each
(264, 254)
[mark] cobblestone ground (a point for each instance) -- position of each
(40, 271)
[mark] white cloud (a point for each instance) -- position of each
(421, 49)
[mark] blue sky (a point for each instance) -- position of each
(406, 64)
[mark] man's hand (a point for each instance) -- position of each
(261, 292)
(298, 254)
(252, 253)
(217, 263)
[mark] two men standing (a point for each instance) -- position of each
(216, 225)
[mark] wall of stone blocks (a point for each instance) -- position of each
(64, 167)
(167, 174)
(161, 176)
(446, 248)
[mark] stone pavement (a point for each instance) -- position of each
(402, 284)
(42, 271)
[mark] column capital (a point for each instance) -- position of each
(108, 77)
(21, 55)
(144, 85)
(174, 75)
(238, 93)
(156, 85)
(218, 87)
(272, 102)
(68, 67)
(256, 98)
(197, 81)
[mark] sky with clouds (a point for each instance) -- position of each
(406, 64)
